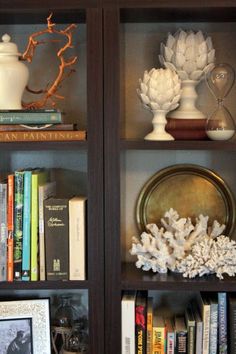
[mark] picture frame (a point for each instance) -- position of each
(25, 323)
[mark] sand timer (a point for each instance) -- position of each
(220, 125)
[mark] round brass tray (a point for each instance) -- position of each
(190, 190)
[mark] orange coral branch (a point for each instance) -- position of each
(50, 93)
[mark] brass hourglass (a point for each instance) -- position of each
(220, 125)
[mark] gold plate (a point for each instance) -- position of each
(190, 190)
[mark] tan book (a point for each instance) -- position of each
(77, 238)
(49, 135)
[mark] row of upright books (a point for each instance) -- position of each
(42, 236)
(206, 326)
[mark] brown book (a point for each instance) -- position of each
(185, 124)
(36, 127)
(51, 135)
(188, 134)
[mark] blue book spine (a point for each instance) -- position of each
(26, 226)
(3, 232)
(222, 303)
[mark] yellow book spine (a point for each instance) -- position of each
(158, 340)
(149, 332)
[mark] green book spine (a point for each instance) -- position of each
(38, 177)
(30, 117)
(18, 224)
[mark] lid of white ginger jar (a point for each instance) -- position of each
(7, 47)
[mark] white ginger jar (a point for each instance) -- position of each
(14, 75)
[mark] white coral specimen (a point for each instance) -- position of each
(189, 53)
(162, 248)
(160, 89)
(210, 256)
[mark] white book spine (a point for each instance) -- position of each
(170, 343)
(206, 329)
(213, 328)
(77, 238)
(128, 324)
(199, 337)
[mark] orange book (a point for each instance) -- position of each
(45, 135)
(10, 225)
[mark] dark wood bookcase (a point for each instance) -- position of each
(117, 41)
(83, 161)
(133, 31)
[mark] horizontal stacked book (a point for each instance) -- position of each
(43, 237)
(37, 125)
(202, 328)
(187, 129)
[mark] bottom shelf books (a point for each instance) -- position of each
(201, 328)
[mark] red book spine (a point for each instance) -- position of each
(185, 124)
(10, 224)
(141, 322)
(188, 134)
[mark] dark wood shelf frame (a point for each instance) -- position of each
(95, 211)
(87, 11)
(111, 175)
(106, 277)
(120, 277)
(133, 278)
(42, 285)
(178, 145)
(52, 145)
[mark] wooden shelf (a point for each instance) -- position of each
(182, 4)
(161, 12)
(26, 12)
(140, 144)
(32, 285)
(42, 145)
(133, 278)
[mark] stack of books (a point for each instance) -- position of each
(36, 125)
(202, 328)
(187, 129)
(42, 236)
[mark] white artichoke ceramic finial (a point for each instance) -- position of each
(191, 55)
(159, 91)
